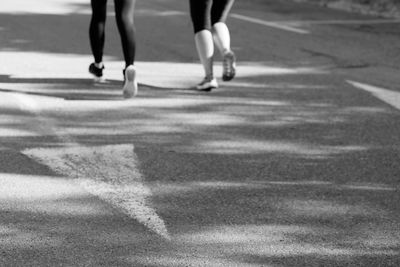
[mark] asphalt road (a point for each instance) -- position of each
(294, 163)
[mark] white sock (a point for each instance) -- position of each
(222, 37)
(205, 49)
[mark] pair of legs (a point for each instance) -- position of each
(208, 17)
(124, 14)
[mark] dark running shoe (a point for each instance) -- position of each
(97, 72)
(229, 66)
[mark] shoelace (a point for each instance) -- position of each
(228, 64)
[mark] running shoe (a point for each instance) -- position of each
(229, 66)
(130, 88)
(97, 72)
(207, 84)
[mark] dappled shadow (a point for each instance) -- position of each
(317, 260)
(278, 167)
(48, 220)
(63, 88)
(68, 229)
(301, 224)
(282, 120)
(252, 173)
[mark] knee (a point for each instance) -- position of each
(98, 19)
(217, 23)
(125, 18)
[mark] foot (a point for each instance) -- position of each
(97, 72)
(207, 84)
(130, 88)
(229, 66)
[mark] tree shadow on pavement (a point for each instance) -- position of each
(68, 89)
(279, 170)
(292, 177)
(58, 224)
(75, 89)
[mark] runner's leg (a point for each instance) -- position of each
(222, 38)
(97, 27)
(124, 10)
(219, 13)
(124, 14)
(200, 15)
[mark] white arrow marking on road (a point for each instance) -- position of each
(387, 96)
(270, 24)
(110, 172)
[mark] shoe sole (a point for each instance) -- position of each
(207, 89)
(130, 88)
(229, 72)
(97, 79)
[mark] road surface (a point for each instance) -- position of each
(293, 163)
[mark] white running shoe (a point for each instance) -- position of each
(229, 66)
(130, 88)
(207, 84)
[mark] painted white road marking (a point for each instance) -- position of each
(341, 22)
(276, 25)
(110, 172)
(294, 26)
(390, 97)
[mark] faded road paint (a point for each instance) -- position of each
(276, 25)
(110, 172)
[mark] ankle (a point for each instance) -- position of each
(227, 51)
(209, 77)
(99, 65)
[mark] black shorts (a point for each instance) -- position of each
(205, 13)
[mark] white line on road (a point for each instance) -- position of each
(293, 26)
(341, 22)
(390, 97)
(276, 25)
(109, 172)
